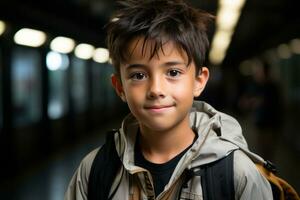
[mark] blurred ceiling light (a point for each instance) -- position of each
(56, 61)
(295, 46)
(62, 44)
(220, 44)
(84, 51)
(284, 51)
(222, 39)
(228, 15)
(30, 37)
(233, 4)
(216, 56)
(227, 19)
(2, 27)
(101, 55)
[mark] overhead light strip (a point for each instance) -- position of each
(62, 44)
(84, 51)
(30, 37)
(227, 17)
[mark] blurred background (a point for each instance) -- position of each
(56, 102)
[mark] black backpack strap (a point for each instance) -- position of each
(217, 179)
(104, 169)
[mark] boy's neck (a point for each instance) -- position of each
(160, 147)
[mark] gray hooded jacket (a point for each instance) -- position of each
(218, 135)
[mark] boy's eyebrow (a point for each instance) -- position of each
(167, 64)
(135, 65)
(171, 63)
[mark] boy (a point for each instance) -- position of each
(158, 48)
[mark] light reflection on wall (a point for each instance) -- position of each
(57, 61)
(57, 64)
(79, 86)
(26, 86)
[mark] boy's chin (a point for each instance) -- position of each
(160, 127)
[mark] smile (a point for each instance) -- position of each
(158, 108)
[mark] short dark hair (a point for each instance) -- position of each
(159, 21)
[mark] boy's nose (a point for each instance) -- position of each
(156, 89)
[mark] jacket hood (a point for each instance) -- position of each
(218, 135)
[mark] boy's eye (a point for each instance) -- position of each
(174, 73)
(137, 76)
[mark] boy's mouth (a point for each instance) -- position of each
(158, 108)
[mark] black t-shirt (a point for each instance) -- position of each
(161, 173)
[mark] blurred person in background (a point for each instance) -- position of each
(263, 100)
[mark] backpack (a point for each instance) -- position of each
(218, 183)
(217, 177)
(104, 169)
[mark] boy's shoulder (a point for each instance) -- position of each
(88, 158)
(78, 185)
(244, 166)
(86, 163)
(247, 176)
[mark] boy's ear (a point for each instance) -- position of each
(200, 81)
(116, 83)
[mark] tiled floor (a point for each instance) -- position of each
(49, 181)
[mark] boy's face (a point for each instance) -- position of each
(159, 91)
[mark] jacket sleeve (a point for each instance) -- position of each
(77, 189)
(249, 184)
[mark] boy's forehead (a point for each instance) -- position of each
(140, 48)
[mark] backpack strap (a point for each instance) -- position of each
(217, 179)
(104, 169)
